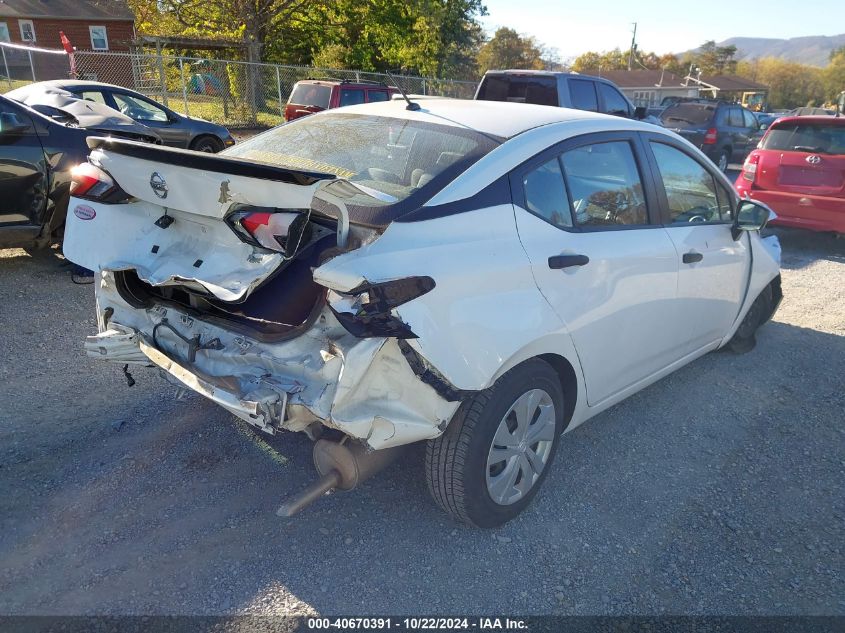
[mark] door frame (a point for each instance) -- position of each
(654, 210)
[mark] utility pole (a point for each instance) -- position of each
(633, 48)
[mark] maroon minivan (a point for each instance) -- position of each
(314, 95)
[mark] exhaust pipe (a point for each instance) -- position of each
(341, 466)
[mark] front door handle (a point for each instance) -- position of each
(567, 261)
(691, 257)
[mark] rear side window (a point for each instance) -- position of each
(750, 120)
(735, 118)
(691, 191)
(519, 89)
(614, 102)
(819, 138)
(688, 114)
(376, 95)
(605, 185)
(583, 95)
(311, 95)
(351, 96)
(545, 194)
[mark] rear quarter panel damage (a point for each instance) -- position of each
(485, 309)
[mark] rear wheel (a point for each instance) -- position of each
(207, 144)
(491, 461)
(724, 159)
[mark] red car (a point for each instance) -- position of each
(799, 171)
(314, 95)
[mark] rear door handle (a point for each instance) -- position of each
(691, 257)
(567, 261)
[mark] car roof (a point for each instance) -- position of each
(72, 83)
(819, 118)
(344, 82)
(498, 118)
(548, 73)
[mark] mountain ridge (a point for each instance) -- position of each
(814, 50)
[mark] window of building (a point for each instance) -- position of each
(99, 38)
(27, 30)
(4, 32)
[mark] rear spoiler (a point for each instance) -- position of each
(206, 162)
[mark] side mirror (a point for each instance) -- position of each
(11, 124)
(751, 215)
(640, 112)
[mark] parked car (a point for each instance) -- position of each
(477, 276)
(176, 130)
(38, 148)
(765, 119)
(665, 102)
(812, 111)
(799, 170)
(725, 132)
(566, 90)
(315, 95)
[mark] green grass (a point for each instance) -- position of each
(237, 114)
(10, 84)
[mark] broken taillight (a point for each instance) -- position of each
(92, 183)
(273, 229)
(366, 311)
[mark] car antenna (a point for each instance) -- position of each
(411, 105)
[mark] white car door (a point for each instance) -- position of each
(583, 214)
(714, 267)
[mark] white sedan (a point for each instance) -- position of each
(479, 276)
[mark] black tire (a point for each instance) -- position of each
(744, 339)
(456, 462)
(724, 160)
(207, 144)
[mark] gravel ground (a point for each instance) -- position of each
(716, 491)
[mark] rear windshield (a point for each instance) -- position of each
(311, 95)
(687, 114)
(405, 162)
(819, 138)
(519, 89)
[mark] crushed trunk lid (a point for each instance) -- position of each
(175, 231)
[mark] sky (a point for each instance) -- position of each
(664, 26)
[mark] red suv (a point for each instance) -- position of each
(799, 171)
(314, 95)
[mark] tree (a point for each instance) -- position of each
(430, 37)
(833, 76)
(711, 59)
(618, 60)
(790, 84)
(509, 49)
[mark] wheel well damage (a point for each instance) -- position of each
(568, 382)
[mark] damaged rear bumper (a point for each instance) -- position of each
(371, 389)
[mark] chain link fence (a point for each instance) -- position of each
(233, 93)
(20, 65)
